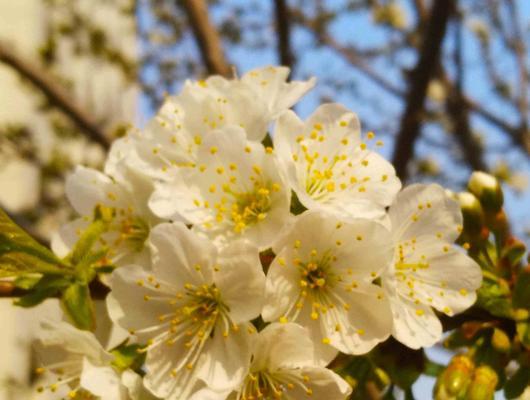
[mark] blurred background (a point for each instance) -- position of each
(444, 83)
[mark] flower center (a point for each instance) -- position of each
(134, 232)
(265, 385)
(247, 208)
(317, 274)
(196, 311)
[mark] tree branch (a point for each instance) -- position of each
(206, 36)
(283, 27)
(420, 77)
(457, 108)
(55, 94)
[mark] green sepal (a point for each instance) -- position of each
(102, 217)
(128, 357)
(77, 303)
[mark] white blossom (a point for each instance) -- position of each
(174, 136)
(322, 279)
(283, 367)
(75, 365)
(233, 191)
(428, 271)
(192, 310)
(330, 168)
(127, 195)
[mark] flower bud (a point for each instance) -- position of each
(500, 341)
(472, 213)
(487, 189)
(455, 379)
(483, 385)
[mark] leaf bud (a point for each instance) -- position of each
(487, 189)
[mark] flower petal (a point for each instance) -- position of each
(424, 210)
(241, 280)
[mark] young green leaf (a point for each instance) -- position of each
(20, 253)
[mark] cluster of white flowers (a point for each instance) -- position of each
(202, 207)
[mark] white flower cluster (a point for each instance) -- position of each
(202, 207)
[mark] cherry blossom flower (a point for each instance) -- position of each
(234, 191)
(283, 367)
(322, 279)
(193, 311)
(174, 136)
(75, 365)
(329, 167)
(428, 271)
(127, 195)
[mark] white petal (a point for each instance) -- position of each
(415, 325)
(72, 340)
(127, 304)
(226, 360)
(67, 236)
(86, 187)
(180, 256)
(282, 288)
(425, 209)
(367, 322)
(323, 384)
(271, 86)
(103, 381)
(241, 280)
(282, 346)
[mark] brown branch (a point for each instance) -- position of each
(457, 108)
(420, 77)
(206, 36)
(55, 94)
(283, 27)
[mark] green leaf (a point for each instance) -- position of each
(27, 281)
(78, 304)
(36, 297)
(494, 296)
(47, 286)
(516, 385)
(20, 253)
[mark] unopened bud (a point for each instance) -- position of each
(455, 379)
(483, 385)
(472, 213)
(487, 189)
(500, 341)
